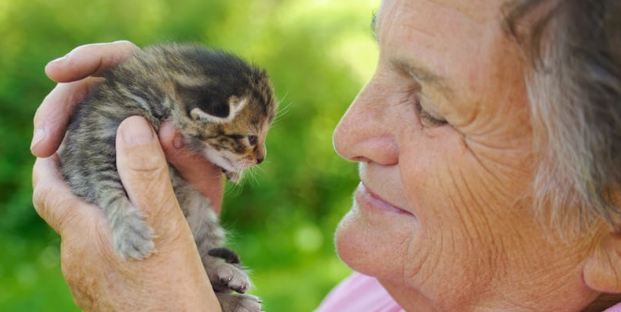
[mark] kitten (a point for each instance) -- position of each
(221, 105)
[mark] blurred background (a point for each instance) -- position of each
(319, 54)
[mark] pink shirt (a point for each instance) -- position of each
(616, 308)
(361, 293)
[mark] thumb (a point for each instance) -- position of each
(144, 173)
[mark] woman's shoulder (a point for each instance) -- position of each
(361, 293)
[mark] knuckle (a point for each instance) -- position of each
(46, 107)
(54, 206)
(43, 202)
(146, 161)
(39, 198)
(151, 174)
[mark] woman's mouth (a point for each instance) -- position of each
(367, 198)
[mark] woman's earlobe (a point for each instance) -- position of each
(602, 270)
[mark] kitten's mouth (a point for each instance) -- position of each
(231, 175)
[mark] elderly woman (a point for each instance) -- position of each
(489, 145)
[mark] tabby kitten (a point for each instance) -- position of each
(221, 105)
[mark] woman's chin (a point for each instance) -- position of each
(353, 245)
(369, 247)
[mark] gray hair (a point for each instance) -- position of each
(575, 97)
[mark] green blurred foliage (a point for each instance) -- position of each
(319, 54)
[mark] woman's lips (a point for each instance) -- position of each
(367, 198)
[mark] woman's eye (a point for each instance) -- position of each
(427, 119)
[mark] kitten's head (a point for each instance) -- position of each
(228, 107)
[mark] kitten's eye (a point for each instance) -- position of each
(252, 139)
(427, 119)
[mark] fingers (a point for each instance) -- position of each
(144, 172)
(72, 70)
(89, 60)
(194, 168)
(52, 117)
(54, 201)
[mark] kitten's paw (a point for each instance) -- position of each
(225, 271)
(226, 277)
(133, 238)
(239, 303)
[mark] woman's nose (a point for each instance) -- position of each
(365, 132)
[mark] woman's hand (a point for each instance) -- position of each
(172, 279)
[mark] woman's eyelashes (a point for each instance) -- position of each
(427, 119)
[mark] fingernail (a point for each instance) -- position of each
(136, 130)
(167, 130)
(37, 137)
(58, 60)
(178, 141)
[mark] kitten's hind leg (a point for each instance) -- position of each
(239, 303)
(229, 276)
(221, 265)
(225, 271)
(132, 236)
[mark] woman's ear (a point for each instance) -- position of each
(602, 270)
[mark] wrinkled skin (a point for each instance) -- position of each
(442, 217)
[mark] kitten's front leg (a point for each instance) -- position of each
(132, 236)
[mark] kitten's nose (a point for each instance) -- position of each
(259, 154)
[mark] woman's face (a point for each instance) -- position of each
(443, 139)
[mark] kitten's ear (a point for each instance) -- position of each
(235, 105)
(199, 114)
